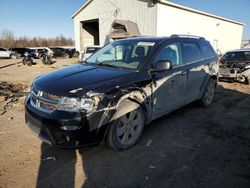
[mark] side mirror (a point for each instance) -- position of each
(162, 65)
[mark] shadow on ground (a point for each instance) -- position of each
(191, 147)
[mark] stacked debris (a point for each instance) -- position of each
(10, 95)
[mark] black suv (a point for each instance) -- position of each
(119, 89)
(21, 51)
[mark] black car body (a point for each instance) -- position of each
(21, 51)
(114, 94)
(235, 65)
(62, 52)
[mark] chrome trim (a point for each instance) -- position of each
(39, 100)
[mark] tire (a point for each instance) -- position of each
(30, 62)
(208, 95)
(76, 54)
(13, 56)
(23, 61)
(127, 127)
(66, 55)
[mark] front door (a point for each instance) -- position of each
(169, 86)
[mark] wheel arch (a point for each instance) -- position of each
(137, 95)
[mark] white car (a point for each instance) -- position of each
(89, 50)
(4, 53)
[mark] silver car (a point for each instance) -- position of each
(4, 53)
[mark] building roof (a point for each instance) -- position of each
(81, 8)
(166, 2)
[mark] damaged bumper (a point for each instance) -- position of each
(235, 74)
(67, 129)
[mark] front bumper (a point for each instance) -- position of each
(225, 72)
(64, 129)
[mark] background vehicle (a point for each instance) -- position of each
(235, 65)
(62, 52)
(4, 53)
(27, 59)
(38, 52)
(47, 58)
(21, 51)
(119, 89)
(89, 50)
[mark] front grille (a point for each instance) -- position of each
(44, 101)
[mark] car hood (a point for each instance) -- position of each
(78, 79)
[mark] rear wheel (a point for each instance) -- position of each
(128, 126)
(30, 62)
(208, 94)
(13, 56)
(66, 55)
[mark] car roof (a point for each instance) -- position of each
(145, 39)
(163, 38)
(240, 50)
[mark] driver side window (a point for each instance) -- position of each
(172, 53)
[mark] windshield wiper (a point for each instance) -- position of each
(107, 65)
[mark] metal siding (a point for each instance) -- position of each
(134, 10)
(171, 20)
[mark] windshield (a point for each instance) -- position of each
(236, 56)
(122, 54)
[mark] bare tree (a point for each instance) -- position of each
(8, 40)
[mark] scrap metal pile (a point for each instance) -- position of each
(11, 95)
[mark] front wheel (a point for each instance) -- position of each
(127, 127)
(208, 94)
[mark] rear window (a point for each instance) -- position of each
(191, 52)
(207, 51)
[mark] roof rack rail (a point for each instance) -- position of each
(187, 36)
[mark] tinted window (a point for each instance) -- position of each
(170, 53)
(191, 52)
(1, 49)
(207, 51)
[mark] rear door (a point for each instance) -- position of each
(169, 86)
(194, 61)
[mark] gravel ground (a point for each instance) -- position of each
(191, 147)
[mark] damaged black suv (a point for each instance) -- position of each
(120, 89)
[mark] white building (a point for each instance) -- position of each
(92, 22)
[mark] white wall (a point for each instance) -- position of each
(172, 20)
(137, 11)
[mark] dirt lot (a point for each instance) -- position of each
(191, 147)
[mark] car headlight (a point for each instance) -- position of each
(78, 105)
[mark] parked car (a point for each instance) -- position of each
(21, 51)
(5, 53)
(62, 52)
(39, 52)
(235, 65)
(89, 50)
(120, 89)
